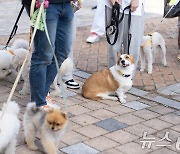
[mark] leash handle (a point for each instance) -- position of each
(14, 30)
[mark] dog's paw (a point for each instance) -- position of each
(125, 96)
(33, 147)
(149, 72)
(141, 70)
(22, 92)
(122, 100)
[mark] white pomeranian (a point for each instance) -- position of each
(9, 128)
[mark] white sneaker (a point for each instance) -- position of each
(50, 103)
(93, 38)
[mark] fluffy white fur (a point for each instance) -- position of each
(125, 83)
(10, 63)
(9, 128)
(148, 51)
(33, 122)
(66, 67)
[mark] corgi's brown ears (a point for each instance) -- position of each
(118, 55)
(131, 58)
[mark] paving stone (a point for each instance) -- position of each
(172, 134)
(146, 114)
(72, 126)
(119, 109)
(102, 114)
(157, 124)
(171, 118)
(84, 119)
(101, 143)
(176, 128)
(133, 148)
(68, 93)
(163, 151)
(111, 124)
(77, 110)
(72, 137)
(91, 131)
(137, 92)
(136, 105)
(160, 109)
(177, 113)
(170, 90)
(166, 101)
(22, 149)
(79, 148)
(121, 136)
(129, 119)
(111, 151)
(94, 105)
(81, 74)
(139, 130)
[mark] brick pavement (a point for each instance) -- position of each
(108, 127)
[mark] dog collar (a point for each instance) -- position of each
(124, 75)
(11, 52)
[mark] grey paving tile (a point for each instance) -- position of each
(81, 74)
(68, 94)
(138, 92)
(168, 102)
(111, 124)
(79, 148)
(170, 90)
(136, 105)
(177, 113)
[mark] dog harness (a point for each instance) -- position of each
(149, 41)
(124, 75)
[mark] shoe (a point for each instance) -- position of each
(72, 84)
(93, 38)
(50, 103)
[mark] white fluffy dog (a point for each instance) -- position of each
(12, 58)
(9, 128)
(66, 67)
(148, 50)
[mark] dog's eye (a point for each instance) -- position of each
(50, 123)
(120, 58)
(57, 124)
(4, 69)
(127, 57)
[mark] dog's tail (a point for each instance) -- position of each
(20, 43)
(66, 67)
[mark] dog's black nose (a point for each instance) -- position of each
(123, 62)
(52, 128)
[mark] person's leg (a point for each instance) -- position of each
(98, 26)
(136, 31)
(179, 32)
(63, 42)
(113, 49)
(42, 57)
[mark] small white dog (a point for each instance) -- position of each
(9, 128)
(66, 67)
(148, 50)
(51, 125)
(12, 58)
(106, 83)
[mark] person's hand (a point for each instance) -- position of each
(113, 2)
(134, 5)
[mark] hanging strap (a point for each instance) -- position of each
(13, 32)
(115, 25)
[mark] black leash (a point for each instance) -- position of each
(113, 27)
(13, 32)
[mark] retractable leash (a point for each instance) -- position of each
(113, 27)
(14, 30)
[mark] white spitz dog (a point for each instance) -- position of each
(148, 50)
(9, 128)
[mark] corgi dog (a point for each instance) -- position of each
(108, 83)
